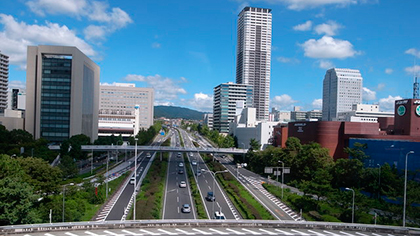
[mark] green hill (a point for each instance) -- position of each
(177, 112)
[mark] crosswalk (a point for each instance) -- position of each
(208, 231)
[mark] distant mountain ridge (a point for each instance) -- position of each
(172, 112)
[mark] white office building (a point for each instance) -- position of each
(342, 88)
(117, 109)
(363, 113)
(253, 56)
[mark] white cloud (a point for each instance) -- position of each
(165, 88)
(380, 87)
(283, 102)
(328, 47)
(317, 103)
(72, 7)
(388, 104)
(368, 95)
(325, 64)
(109, 20)
(413, 70)
(288, 60)
(305, 4)
(389, 71)
(201, 102)
(17, 84)
(330, 28)
(156, 45)
(414, 52)
(16, 36)
(303, 27)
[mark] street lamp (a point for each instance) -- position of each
(282, 178)
(214, 180)
(379, 184)
(352, 208)
(135, 179)
(405, 185)
(64, 193)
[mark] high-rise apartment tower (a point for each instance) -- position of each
(4, 80)
(62, 93)
(342, 88)
(253, 56)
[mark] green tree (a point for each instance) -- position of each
(254, 145)
(357, 152)
(68, 167)
(320, 185)
(19, 137)
(347, 173)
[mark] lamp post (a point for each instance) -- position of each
(352, 208)
(282, 178)
(214, 180)
(379, 181)
(135, 179)
(64, 193)
(405, 185)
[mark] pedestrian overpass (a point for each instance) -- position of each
(122, 148)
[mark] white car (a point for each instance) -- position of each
(132, 180)
(186, 208)
(194, 163)
(181, 164)
(219, 215)
(183, 184)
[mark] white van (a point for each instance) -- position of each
(219, 215)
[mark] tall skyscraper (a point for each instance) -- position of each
(226, 96)
(253, 56)
(4, 80)
(62, 93)
(341, 89)
(117, 109)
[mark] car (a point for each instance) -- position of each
(179, 154)
(181, 171)
(191, 154)
(210, 197)
(181, 164)
(194, 163)
(182, 184)
(219, 215)
(148, 155)
(132, 180)
(198, 172)
(186, 208)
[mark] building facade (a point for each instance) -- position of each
(341, 89)
(363, 113)
(208, 120)
(226, 98)
(253, 55)
(117, 109)
(4, 80)
(16, 99)
(62, 93)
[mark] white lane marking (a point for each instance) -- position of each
(185, 232)
(203, 232)
(88, 232)
(361, 234)
(178, 210)
(376, 234)
(113, 233)
(301, 233)
(317, 233)
(331, 233)
(71, 234)
(250, 231)
(129, 232)
(48, 234)
(209, 187)
(349, 234)
(27, 235)
(177, 199)
(391, 235)
(268, 232)
(167, 232)
(217, 231)
(234, 231)
(148, 232)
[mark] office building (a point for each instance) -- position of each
(208, 120)
(117, 109)
(226, 98)
(253, 56)
(4, 80)
(62, 93)
(16, 99)
(363, 113)
(342, 88)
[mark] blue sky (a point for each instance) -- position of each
(183, 49)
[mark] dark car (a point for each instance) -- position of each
(181, 171)
(210, 197)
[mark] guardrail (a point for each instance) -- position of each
(25, 229)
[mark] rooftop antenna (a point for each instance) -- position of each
(415, 84)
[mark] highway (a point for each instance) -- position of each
(205, 184)
(175, 196)
(252, 182)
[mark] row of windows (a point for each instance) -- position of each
(52, 117)
(64, 79)
(57, 64)
(63, 95)
(51, 102)
(55, 110)
(55, 87)
(54, 125)
(53, 134)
